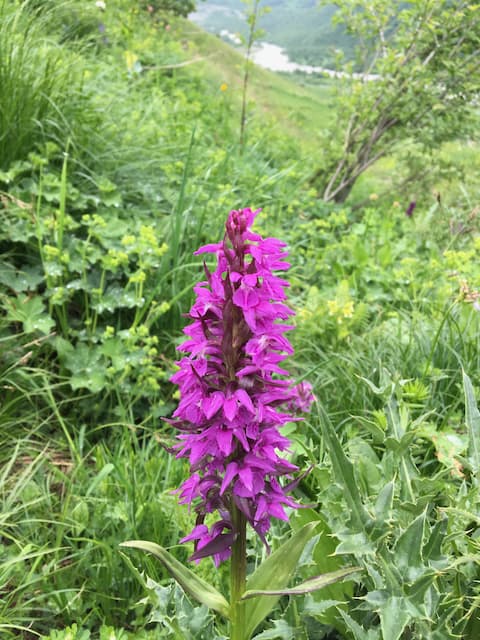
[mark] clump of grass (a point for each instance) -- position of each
(40, 81)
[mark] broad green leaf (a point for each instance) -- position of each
(31, 312)
(87, 366)
(354, 543)
(318, 608)
(408, 550)
(393, 579)
(359, 633)
(384, 502)
(472, 630)
(416, 592)
(433, 547)
(312, 584)
(19, 281)
(393, 618)
(449, 445)
(344, 473)
(202, 591)
(325, 561)
(472, 419)
(281, 631)
(274, 573)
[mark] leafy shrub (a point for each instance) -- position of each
(88, 282)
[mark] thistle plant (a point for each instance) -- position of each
(234, 398)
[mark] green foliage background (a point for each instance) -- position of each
(123, 159)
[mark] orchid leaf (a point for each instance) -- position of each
(312, 584)
(274, 573)
(202, 591)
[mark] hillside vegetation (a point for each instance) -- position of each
(120, 156)
(303, 28)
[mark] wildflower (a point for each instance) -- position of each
(223, 86)
(373, 196)
(410, 209)
(333, 307)
(396, 204)
(348, 309)
(101, 5)
(234, 393)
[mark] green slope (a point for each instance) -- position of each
(303, 105)
(302, 27)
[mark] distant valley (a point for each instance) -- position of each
(301, 27)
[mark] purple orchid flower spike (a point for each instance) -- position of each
(234, 395)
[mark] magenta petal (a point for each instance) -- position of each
(246, 477)
(198, 532)
(250, 280)
(240, 435)
(230, 473)
(245, 399)
(209, 248)
(224, 441)
(230, 408)
(275, 509)
(261, 508)
(212, 403)
(221, 543)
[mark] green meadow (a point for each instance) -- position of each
(120, 155)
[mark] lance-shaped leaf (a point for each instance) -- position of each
(408, 550)
(432, 550)
(472, 419)
(345, 476)
(312, 584)
(275, 573)
(394, 617)
(202, 591)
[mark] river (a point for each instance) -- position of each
(271, 56)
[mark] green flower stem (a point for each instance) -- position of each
(238, 574)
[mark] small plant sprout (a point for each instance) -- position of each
(234, 397)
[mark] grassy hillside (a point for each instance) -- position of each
(302, 27)
(306, 105)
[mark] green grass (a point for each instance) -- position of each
(41, 82)
(306, 106)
